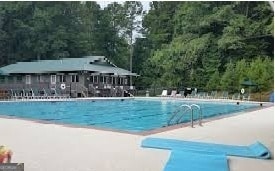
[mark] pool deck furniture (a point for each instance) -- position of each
(224, 95)
(236, 96)
(213, 94)
(180, 94)
(173, 93)
(164, 93)
(246, 97)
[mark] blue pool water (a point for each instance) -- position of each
(128, 115)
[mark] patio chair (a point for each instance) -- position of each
(246, 97)
(164, 93)
(173, 93)
(213, 94)
(202, 95)
(192, 95)
(224, 95)
(236, 96)
(181, 94)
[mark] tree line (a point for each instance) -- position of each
(208, 45)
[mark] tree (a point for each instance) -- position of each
(228, 80)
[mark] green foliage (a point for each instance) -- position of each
(208, 45)
(261, 71)
(228, 79)
(213, 83)
(52, 30)
(211, 45)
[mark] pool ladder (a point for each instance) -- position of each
(182, 111)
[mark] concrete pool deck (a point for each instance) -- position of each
(49, 147)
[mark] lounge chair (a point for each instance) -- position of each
(236, 96)
(213, 94)
(224, 95)
(192, 95)
(173, 93)
(246, 97)
(164, 93)
(202, 95)
(181, 94)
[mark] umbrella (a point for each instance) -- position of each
(248, 83)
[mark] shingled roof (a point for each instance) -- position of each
(98, 64)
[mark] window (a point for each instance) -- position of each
(91, 79)
(10, 79)
(75, 78)
(53, 79)
(120, 81)
(95, 79)
(19, 78)
(28, 79)
(62, 78)
(125, 81)
(101, 79)
(107, 80)
(40, 78)
(114, 80)
(2, 79)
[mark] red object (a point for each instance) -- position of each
(6, 157)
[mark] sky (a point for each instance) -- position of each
(145, 4)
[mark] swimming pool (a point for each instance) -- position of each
(128, 115)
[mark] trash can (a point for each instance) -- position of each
(271, 97)
(147, 93)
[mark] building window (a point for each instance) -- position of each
(40, 78)
(28, 79)
(95, 79)
(101, 79)
(91, 79)
(2, 79)
(10, 79)
(19, 78)
(114, 80)
(53, 79)
(75, 78)
(62, 78)
(125, 81)
(120, 81)
(107, 80)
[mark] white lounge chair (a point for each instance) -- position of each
(164, 93)
(173, 93)
(246, 97)
(181, 94)
(236, 96)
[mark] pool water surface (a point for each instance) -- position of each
(135, 115)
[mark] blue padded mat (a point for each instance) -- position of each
(193, 161)
(256, 150)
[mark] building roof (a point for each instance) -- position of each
(98, 64)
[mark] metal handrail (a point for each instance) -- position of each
(179, 119)
(177, 111)
(189, 107)
(200, 113)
